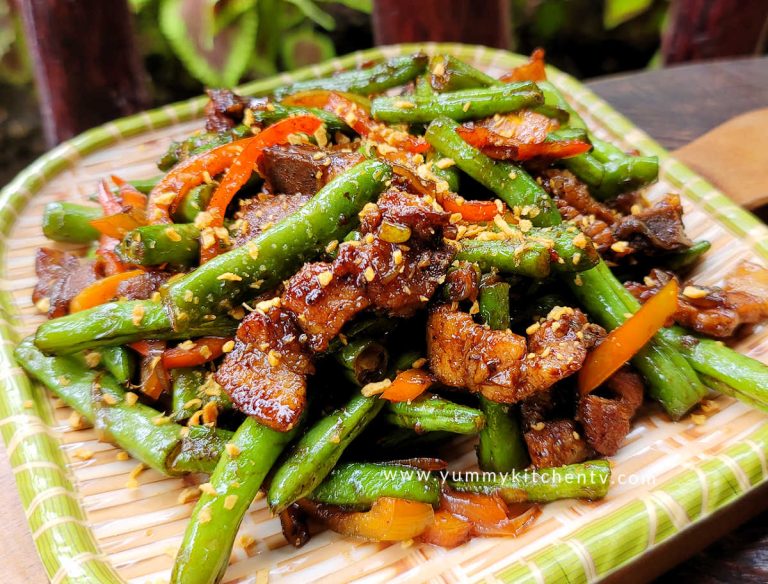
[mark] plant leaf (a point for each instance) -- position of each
(365, 6)
(305, 47)
(314, 13)
(616, 12)
(185, 25)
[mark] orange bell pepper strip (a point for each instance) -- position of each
(118, 225)
(130, 195)
(101, 291)
(154, 377)
(389, 519)
(203, 350)
(141, 347)
(408, 385)
(447, 530)
(623, 342)
(169, 192)
(358, 118)
(242, 168)
(533, 70)
(487, 514)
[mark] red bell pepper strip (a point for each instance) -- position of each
(501, 148)
(203, 350)
(623, 342)
(533, 70)
(242, 168)
(469, 210)
(154, 377)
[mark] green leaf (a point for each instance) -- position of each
(222, 62)
(305, 47)
(138, 5)
(616, 12)
(315, 14)
(365, 6)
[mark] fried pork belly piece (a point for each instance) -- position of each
(142, 287)
(303, 168)
(225, 109)
(500, 364)
(606, 420)
(262, 212)
(465, 354)
(711, 310)
(323, 302)
(558, 347)
(556, 443)
(265, 374)
(655, 228)
(650, 229)
(463, 283)
(61, 276)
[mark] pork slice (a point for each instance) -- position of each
(556, 443)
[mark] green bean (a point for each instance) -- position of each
(687, 257)
(375, 79)
(120, 362)
(70, 222)
(365, 360)
(501, 447)
(449, 174)
(467, 104)
(185, 388)
(200, 449)
(194, 201)
(153, 245)
(671, 379)
(588, 480)
(359, 485)
(132, 427)
(278, 252)
(145, 185)
(512, 184)
(204, 553)
(430, 413)
(447, 73)
(717, 361)
(318, 451)
(120, 323)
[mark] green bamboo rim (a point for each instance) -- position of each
(67, 546)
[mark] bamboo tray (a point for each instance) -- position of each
(88, 527)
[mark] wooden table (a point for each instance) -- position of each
(674, 106)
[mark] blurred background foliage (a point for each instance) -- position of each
(188, 44)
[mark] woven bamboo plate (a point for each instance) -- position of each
(88, 527)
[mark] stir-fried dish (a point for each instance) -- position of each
(328, 284)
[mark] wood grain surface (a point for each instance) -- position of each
(675, 106)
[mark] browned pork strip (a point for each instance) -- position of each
(303, 168)
(712, 310)
(606, 420)
(142, 287)
(265, 374)
(61, 277)
(659, 227)
(465, 354)
(262, 212)
(225, 109)
(556, 444)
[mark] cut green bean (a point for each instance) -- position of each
(194, 201)
(70, 222)
(318, 451)
(359, 485)
(365, 359)
(588, 480)
(153, 245)
(462, 105)
(200, 449)
(204, 553)
(687, 257)
(447, 73)
(277, 112)
(430, 413)
(376, 79)
(278, 252)
(120, 323)
(513, 185)
(185, 392)
(120, 362)
(501, 447)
